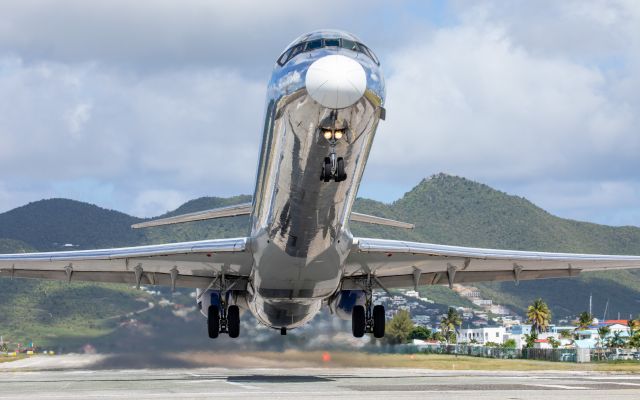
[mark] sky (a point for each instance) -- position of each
(141, 106)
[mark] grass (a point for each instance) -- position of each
(439, 362)
(8, 359)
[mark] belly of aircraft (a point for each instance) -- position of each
(302, 241)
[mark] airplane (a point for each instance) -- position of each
(325, 99)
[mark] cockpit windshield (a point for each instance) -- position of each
(310, 45)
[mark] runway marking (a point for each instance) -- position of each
(623, 383)
(606, 378)
(242, 385)
(545, 385)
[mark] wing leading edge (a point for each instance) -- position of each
(412, 264)
(187, 264)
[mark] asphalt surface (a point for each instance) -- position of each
(310, 383)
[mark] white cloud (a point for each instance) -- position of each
(476, 100)
(195, 130)
(151, 34)
(77, 117)
(149, 203)
(124, 103)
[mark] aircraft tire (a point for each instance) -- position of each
(378, 321)
(326, 170)
(213, 321)
(340, 174)
(358, 321)
(233, 320)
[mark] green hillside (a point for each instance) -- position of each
(48, 225)
(445, 209)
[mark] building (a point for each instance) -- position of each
(493, 334)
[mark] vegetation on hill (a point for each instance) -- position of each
(49, 225)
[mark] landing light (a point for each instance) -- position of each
(338, 135)
(328, 135)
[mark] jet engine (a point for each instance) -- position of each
(342, 303)
(214, 297)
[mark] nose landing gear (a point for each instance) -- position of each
(333, 168)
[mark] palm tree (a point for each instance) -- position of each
(566, 334)
(616, 340)
(449, 322)
(603, 331)
(584, 320)
(634, 341)
(539, 315)
(634, 325)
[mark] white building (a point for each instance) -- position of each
(494, 334)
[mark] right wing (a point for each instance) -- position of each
(187, 264)
(396, 264)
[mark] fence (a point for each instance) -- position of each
(558, 355)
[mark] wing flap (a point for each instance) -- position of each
(187, 264)
(147, 278)
(402, 261)
(441, 278)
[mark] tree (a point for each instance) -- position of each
(584, 320)
(448, 324)
(530, 339)
(539, 315)
(566, 334)
(399, 329)
(634, 326)
(634, 342)
(439, 337)
(553, 342)
(603, 332)
(421, 333)
(509, 344)
(616, 340)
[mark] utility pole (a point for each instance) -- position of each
(590, 298)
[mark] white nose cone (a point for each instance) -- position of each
(336, 81)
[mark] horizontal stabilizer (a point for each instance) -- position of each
(370, 219)
(231, 211)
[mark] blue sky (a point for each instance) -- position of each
(140, 106)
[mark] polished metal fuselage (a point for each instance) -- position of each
(299, 225)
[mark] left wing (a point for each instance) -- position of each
(411, 264)
(187, 264)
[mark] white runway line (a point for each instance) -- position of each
(623, 383)
(242, 385)
(557, 386)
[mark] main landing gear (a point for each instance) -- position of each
(333, 168)
(219, 321)
(365, 319)
(222, 317)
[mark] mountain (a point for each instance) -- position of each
(49, 225)
(446, 209)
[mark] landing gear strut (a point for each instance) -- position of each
(368, 319)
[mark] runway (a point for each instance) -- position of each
(311, 383)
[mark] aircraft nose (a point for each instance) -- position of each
(336, 81)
